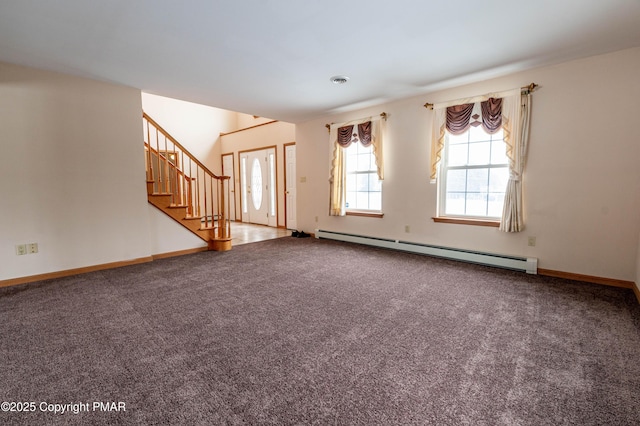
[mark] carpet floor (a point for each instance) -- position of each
(305, 331)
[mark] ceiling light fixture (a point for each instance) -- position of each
(339, 79)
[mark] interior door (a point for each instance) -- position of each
(290, 186)
(228, 170)
(256, 175)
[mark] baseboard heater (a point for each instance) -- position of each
(527, 264)
(209, 218)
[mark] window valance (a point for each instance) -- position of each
(455, 117)
(459, 116)
(346, 134)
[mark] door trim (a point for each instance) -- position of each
(235, 184)
(275, 149)
(284, 157)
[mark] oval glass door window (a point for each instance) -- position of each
(256, 184)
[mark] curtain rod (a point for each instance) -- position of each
(382, 114)
(525, 90)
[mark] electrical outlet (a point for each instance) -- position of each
(21, 249)
(32, 248)
(407, 229)
(316, 218)
(532, 241)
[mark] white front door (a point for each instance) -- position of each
(227, 170)
(257, 171)
(290, 185)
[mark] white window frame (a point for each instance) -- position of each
(444, 168)
(372, 171)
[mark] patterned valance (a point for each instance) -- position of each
(459, 116)
(346, 134)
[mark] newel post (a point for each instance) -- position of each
(222, 237)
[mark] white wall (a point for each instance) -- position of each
(275, 134)
(168, 236)
(582, 182)
(72, 175)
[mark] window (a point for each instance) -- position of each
(475, 178)
(474, 175)
(364, 189)
(357, 168)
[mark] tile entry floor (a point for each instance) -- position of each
(243, 233)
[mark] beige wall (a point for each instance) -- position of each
(274, 134)
(197, 127)
(72, 175)
(582, 182)
(246, 120)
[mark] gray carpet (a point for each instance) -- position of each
(305, 331)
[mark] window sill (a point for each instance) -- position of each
(461, 221)
(364, 213)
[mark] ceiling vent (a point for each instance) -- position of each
(339, 79)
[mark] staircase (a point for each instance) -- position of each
(184, 188)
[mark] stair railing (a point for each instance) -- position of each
(172, 170)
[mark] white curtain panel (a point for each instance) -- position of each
(337, 181)
(517, 113)
(437, 140)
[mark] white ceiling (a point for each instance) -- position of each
(274, 58)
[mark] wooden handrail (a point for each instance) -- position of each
(178, 144)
